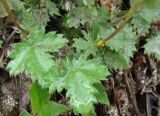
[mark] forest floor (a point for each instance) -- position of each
(135, 92)
(132, 92)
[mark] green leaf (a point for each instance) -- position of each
(80, 16)
(101, 95)
(152, 47)
(143, 18)
(95, 30)
(90, 69)
(39, 97)
(86, 15)
(149, 12)
(81, 94)
(102, 19)
(123, 42)
(80, 77)
(88, 45)
(32, 55)
(140, 24)
(52, 109)
(51, 6)
(116, 60)
(40, 102)
(24, 113)
(53, 79)
(36, 16)
(31, 18)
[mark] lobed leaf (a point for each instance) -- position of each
(80, 77)
(51, 6)
(32, 55)
(87, 15)
(87, 45)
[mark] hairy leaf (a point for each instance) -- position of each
(116, 60)
(86, 15)
(80, 77)
(101, 95)
(90, 69)
(33, 18)
(124, 42)
(88, 45)
(140, 24)
(32, 55)
(80, 15)
(81, 94)
(51, 7)
(152, 47)
(145, 16)
(53, 79)
(150, 14)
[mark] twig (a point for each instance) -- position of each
(13, 18)
(10, 37)
(1, 59)
(4, 47)
(114, 92)
(132, 96)
(150, 63)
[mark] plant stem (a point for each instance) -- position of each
(119, 20)
(13, 18)
(128, 17)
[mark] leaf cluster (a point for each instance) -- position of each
(82, 68)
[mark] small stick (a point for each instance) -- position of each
(132, 96)
(10, 37)
(114, 92)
